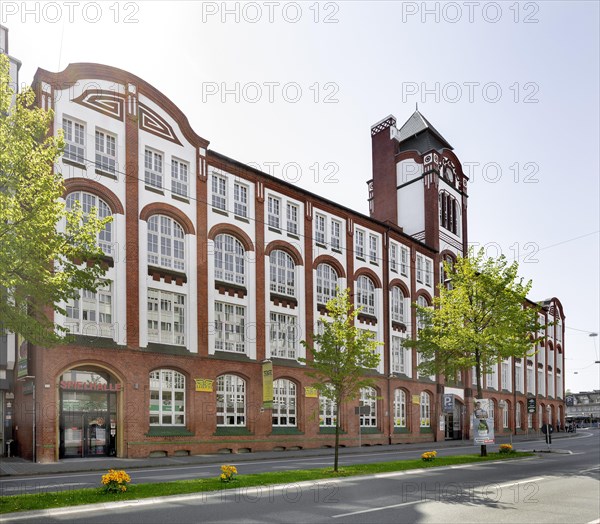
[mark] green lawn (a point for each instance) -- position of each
(29, 502)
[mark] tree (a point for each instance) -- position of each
(341, 355)
(480, 318)
(39, 265)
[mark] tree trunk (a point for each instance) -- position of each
(337, 444)
(479, 393)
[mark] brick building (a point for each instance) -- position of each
(217, 271)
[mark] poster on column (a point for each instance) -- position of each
(482, 422)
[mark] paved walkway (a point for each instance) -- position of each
(18, 466)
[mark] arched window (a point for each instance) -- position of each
(231, 401)
(327, 411)
(282, 273)
(167, 398)
(327, 279)
(425, 406)
(368, 399)
(399, 408)
(365, 294)
(397, 304)
(448, 207)
(505, 415)
(229, 260)
(284, 403)
(87, 202)
(166, 246)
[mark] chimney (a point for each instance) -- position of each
(383, 200)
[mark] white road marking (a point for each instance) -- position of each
(371, 510)
(524, 481)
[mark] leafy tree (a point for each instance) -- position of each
(39, 265)
(341, 354)
(480, 318)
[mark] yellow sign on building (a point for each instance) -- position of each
(204, 384)
(416, 399)
(310, 392)
(267, 372)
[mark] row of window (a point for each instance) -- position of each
(167, 403)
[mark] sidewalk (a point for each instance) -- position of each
(16, 466)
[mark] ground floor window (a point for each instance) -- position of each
(167, 398)
(399, 408)
(518, 415)
(368, 399)
(284, 403)
(327, 412)
(231, 401)
(425, 406)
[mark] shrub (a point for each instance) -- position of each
(228, 473)
(115, 481)
(429, 456)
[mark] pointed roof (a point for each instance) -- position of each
(418, 133)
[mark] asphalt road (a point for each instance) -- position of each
(550, 488)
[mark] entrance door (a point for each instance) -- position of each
(85, 434)
(448, 429)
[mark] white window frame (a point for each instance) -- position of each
(359, 247)
(106, 152)
(398, 355)
(327, 412)
(373, 248)
(336, 234)
(285, 410)
(420, 269)
(326, 285)
(397, 304)
(240, 199)
(231, 401)
(505, 375)
(283, 335)
(274, 211)
(103, 210)
(365, 294)
(166, 317)
(170, 384)
(219, 191)
(425, 410)
(531, 374)
(518, 415)
(166, 243)
(74, 133)
(404, 261)
(399, 408)
(292, 212)
(428, 272)
(230, 259)
(320, 228)
(91, 313)
(180, 175)
(393, 257)
(505, 411)
(154, 165)
(230, 327)
(282, 273)
(368, 397)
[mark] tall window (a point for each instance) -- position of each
(283, 335)
(518, 415)
(231, 401)
(336, 234)
(87, 202)
(419, 269)
(274, 212)
(327, 412)
(425, 408)
(421, 301)
(166, 317)
(428, 272)
(327, 279)
(167, 398)
(153, 168)
(373, 249)
(359, 240)
(91, 312)
(229, 260)
(368, 398)
(505, 411)
(284, 403)
(393, 258)
(282, 278)
(541, 382)
(529, 420)
(448, 212)
(505, 371)
(518, 377)
(74, 140)
(365, 295)
(399, 408)
(404, 261)
(106, 152)
(240, 199)
(166, 246)
(219, 191)
(530, 379)
(179, 178)
(397, 304)
(230, 327)
(320, 229)
(292, 218)
(398, 355)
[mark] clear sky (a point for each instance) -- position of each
(293, 88)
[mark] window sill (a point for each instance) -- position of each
(169, 431)
(275, 230)
(231, 355)
(373, 263)
(220, 212)
(425, 430)
(360, 258)
(289, 430)
(242, 219)
(153, 189)
(168, 275)
(370, 431)
(167, 349)
(181, 198)
(327, 430)
(96, 341)
(336, 250)
(321, 245)
(294, 236)
(401, 430)
(367, 319)
(106, 174)
(231, 431)
(227, 288)
(74, 164)
(284, 300)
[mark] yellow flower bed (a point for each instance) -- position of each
(228, 473)
(506, 448)
(115, 481)
(428, 456)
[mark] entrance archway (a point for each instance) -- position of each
(88, 418)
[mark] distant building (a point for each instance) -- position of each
(218, 270)
(583, 407)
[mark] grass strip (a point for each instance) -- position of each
(58, 499)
